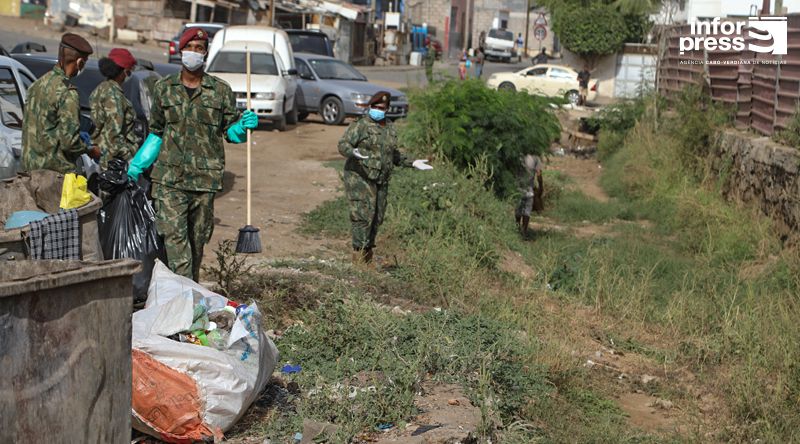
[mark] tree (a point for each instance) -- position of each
(591, 31)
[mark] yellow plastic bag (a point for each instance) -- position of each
(74, 193)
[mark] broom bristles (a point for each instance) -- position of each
(249, 240)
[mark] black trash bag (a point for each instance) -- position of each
(114, 180)
(127, 224)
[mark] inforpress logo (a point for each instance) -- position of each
(717, 35)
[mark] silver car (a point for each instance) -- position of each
(14, 82)
(335, 90)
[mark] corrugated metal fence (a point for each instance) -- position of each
(764, 88)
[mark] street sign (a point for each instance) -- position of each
(541, 20)
(539, 32)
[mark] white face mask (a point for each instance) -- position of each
(192, 60)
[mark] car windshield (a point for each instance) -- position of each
(234, 62)
(313, 44)
(335, 70)
(10, 100)
(501, 34)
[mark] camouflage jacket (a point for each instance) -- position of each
(192, 156)
(51, 130)
(430, 56)
(377, 142)
(114, 119)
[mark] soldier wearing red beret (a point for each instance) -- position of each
(51, 137)
(112, 112)
(192, 113)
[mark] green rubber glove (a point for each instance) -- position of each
(145, 157)
(237, 133)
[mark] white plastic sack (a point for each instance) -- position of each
(227, 381)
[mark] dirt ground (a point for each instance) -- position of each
(289, 179)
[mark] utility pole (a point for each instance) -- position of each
(271, 17)
(527, 26)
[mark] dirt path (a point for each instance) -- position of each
(289, 179)
(584, 172)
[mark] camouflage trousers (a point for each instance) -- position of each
(367, 207)
(186, 220)
(429, 73)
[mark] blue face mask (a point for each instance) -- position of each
(377, 114)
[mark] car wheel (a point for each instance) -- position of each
(573, 97)
(291, 116)
(280, 123)
(301, 116)
(332, 111)
(507, 86)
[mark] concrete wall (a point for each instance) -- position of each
(604, 72)
(759, 172)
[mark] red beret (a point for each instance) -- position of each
(380, 98)
(122, 57)
(192, 34)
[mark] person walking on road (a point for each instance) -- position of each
(370, 146)
(520, 46)
(191, 114)
(51, 135)
(583, 83)
(430, 59)
(478, 62)
(531, 187)
(112, 112)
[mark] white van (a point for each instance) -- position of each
(282, 49)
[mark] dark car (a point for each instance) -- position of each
(310, 42)
(210, 28)
(137, 89)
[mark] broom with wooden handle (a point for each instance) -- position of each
(249, 238)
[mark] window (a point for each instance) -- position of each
(536, 72)
(558, 73)
(335, 69)
(501, 34)
(10, 100)
(303, 70)
(27, 80)
(310, 43)
(235, 62)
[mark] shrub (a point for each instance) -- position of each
(481, 131)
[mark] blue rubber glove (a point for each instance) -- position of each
(145, 157)
(237, 133)
(86, 138)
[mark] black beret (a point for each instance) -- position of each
(380, 97)
(77, 43)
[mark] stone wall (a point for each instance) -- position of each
(759, 172)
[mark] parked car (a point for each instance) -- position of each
(268, 86)
(137, 89)
(210, 28)
(281, 50)
(14, 81)
(547, 80)
(335, 90)
(499, 44)
(310, 42)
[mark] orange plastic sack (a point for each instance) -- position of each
(168, 401)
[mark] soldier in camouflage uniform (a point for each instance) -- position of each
(51, 136)
(430, 59)
(191, 113)
(112, 112)
(371, 148)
